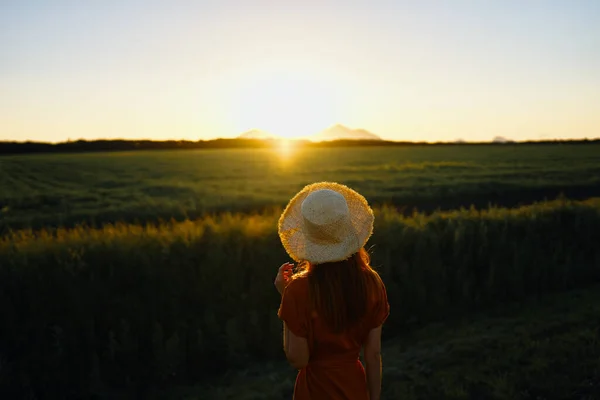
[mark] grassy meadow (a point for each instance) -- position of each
(166, 290)
(67, 189)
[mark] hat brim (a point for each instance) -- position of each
(300, 248)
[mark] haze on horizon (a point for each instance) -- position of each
(404, 70)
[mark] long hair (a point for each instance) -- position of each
(339, 291)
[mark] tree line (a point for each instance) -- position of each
(82, 146)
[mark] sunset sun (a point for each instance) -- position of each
(286, 103)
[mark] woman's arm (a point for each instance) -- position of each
(295, 347)
(373, 364)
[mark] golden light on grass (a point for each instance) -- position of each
(285, 148)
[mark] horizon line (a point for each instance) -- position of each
(279, 139)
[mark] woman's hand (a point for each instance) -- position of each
(283, 276)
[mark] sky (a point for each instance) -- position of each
(406, 70)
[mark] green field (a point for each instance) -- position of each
(66, 189)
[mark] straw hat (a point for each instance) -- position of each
(325, 222)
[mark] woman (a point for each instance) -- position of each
(335, 304)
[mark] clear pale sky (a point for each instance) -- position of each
(405, 70)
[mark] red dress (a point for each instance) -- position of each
(334, 371)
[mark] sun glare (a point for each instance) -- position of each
(288, 103)
(285, 148)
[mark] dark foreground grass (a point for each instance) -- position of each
(545, 349)
(143, 308)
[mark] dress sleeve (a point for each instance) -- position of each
(381, 307)
(292, 309)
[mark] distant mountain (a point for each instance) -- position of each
(257, 134)
(335, 132)
(338, 131)
(502, 139)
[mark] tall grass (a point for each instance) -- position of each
(135, 307)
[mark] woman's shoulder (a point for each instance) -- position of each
(298, 284)
(375, 277)
(377, 287)
(300, 279)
